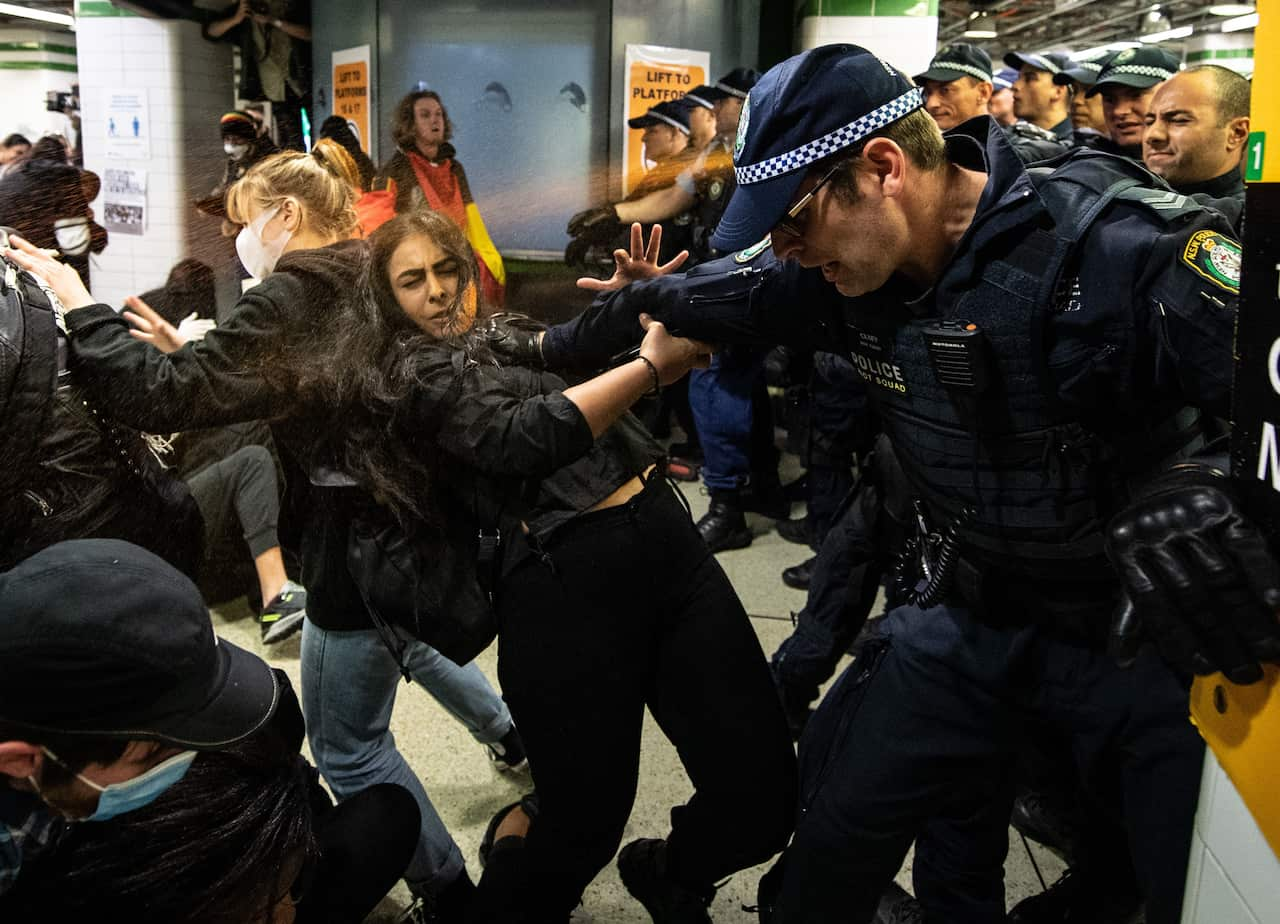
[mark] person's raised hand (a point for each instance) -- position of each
(640, 263)
(150, 327)
(62, 279)
(671, 356)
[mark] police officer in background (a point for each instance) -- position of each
(1197, 126)
(1126, 85)
(1042, 106)
(701, 191)
(673, 134)
(1088, 122)
(958, 86)
(1046, 418)
(1001, 105)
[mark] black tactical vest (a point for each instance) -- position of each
(967, 403)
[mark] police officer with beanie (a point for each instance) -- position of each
(958, 87)
(1039, 346)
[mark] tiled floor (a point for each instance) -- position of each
(467, 792)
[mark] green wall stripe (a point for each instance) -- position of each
(1207, 54)
(868, 8)
(38, 46)
(37, 66)
(88, 8)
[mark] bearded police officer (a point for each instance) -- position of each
(1039, 346)
(958, 86)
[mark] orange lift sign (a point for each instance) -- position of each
(654, 75)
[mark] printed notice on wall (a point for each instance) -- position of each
(128, 124)
(654, 75)
(124, 201)
(351, 95)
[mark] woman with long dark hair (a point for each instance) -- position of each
(297, 227)
(608, 600)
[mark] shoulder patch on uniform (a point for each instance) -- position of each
(1165, 203)
(746, 256)
(1216, 257)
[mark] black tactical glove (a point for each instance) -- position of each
(596, 226)
(1200, 580)
(515, 338)
(577, 252)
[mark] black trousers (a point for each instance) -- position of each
(626, 608)
(919, 737)
(365, 843)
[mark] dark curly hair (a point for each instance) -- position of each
(370, 365)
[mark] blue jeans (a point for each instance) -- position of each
(349, 683)
(731, 410)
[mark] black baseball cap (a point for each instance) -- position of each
(703, 95)
(1137, 67)
(100, 637)
(1083, 72)
(738, 82)
(1052, 61)
(809, 106)
(959, 59)
(670, 113)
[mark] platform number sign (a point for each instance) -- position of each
(1254, 151)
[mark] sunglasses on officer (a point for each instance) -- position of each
(790, 225)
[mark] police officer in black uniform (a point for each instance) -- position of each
(1042, 106)
(1038, 345)
(1197, 128)
(1087, 120)
(1127, 83)
(958, 86)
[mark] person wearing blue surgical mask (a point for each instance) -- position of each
(89, 785)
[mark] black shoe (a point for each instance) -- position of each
(1078, 899)
(528, 803)
(799, 576)
(1044, 820)
(642, 864)
(796, 531)
(724, 527)
(507, 753)
(898, 906)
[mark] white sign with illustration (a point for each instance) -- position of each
(128, 124)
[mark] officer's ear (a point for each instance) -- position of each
(887, 163)
(1237, 133)
(985, 89)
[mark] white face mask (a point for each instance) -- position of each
(260, 257)
(235, 151)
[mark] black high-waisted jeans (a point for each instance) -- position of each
(624, 609)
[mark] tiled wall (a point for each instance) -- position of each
(189, 85)
(33, 62)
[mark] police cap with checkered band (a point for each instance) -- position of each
(959, 59)
(1137, 67)
(808, 107)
